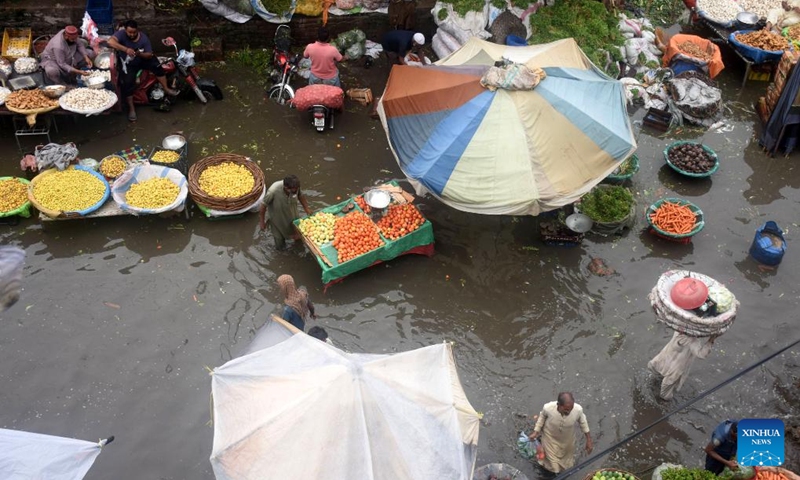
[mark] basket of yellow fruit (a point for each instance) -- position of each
(150, 189)
(170, 158)
(225, 182)
(74, 192)
(14, 197)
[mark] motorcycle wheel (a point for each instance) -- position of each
(281, 97)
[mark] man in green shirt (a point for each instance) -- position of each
(280, 205)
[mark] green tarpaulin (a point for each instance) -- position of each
(422, 236)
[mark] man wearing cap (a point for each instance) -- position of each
(64, 56)
(404, 46)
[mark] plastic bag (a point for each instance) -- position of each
(741, 473)
(144, 172)
(722, 297)
(515, 76)
(355, 51)
(525, 446)
(309, 8)
(346, 4)
(328, 95)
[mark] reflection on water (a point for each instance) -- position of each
(120, 317)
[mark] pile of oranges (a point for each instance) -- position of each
(363, 204)
(354, 235)
(400, 220)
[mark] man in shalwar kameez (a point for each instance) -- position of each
(64, 56)
(556, 427)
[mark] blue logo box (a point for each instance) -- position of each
(760, 442)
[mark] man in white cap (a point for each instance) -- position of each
(404, 46)
(63, 57)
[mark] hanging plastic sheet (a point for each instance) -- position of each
(238, 11)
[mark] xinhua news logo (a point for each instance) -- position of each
(760, 442)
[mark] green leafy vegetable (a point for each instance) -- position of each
(462, 7)
(607, 204)
(587, 21)
(687, 474)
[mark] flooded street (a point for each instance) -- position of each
(121, 319)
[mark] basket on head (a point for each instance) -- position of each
(224, 204)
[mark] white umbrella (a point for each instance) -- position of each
(31, 456)
(300, 408)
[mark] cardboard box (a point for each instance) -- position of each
(788, 61)
(780, 81)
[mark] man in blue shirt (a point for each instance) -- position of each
(721, 451)
(138, 56)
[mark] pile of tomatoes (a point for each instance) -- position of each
(354, 234)
(363, 204)
(400, 220)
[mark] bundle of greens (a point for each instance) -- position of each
(587, 21)
(607, 204)
(687, 474)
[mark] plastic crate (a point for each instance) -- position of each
(101, 11)
(16, 38)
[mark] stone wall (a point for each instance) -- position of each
(47, 18)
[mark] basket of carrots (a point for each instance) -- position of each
(775, 473)
(675, 219)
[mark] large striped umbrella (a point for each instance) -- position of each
(506, 152)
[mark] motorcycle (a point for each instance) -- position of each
(284, 67)
(322, 115)
(181, 75)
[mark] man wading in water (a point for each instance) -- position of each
(556, 427)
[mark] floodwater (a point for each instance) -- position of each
(120, 318)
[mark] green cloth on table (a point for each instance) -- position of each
(392, 249)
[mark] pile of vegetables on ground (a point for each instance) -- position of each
(625, 168)
(587, 21)
(607, 204)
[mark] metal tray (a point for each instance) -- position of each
(22, 83)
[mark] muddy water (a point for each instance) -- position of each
(120, 317)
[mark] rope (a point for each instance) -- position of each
(691, 402)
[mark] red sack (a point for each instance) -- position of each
(328, 95)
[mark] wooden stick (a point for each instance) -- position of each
(315, 250)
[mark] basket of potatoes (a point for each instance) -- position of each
(14, 197)
(150, 189)
(73, 192)
(225, 182)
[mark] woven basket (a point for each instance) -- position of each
(698, 112)
(591, 475)
(224, 204)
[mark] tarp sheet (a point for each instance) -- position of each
(301, 408)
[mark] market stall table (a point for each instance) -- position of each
(420, 242)
(723, 34)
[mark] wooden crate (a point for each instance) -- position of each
(19, 38)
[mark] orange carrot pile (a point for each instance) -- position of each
(765, 475)
(673, 218)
